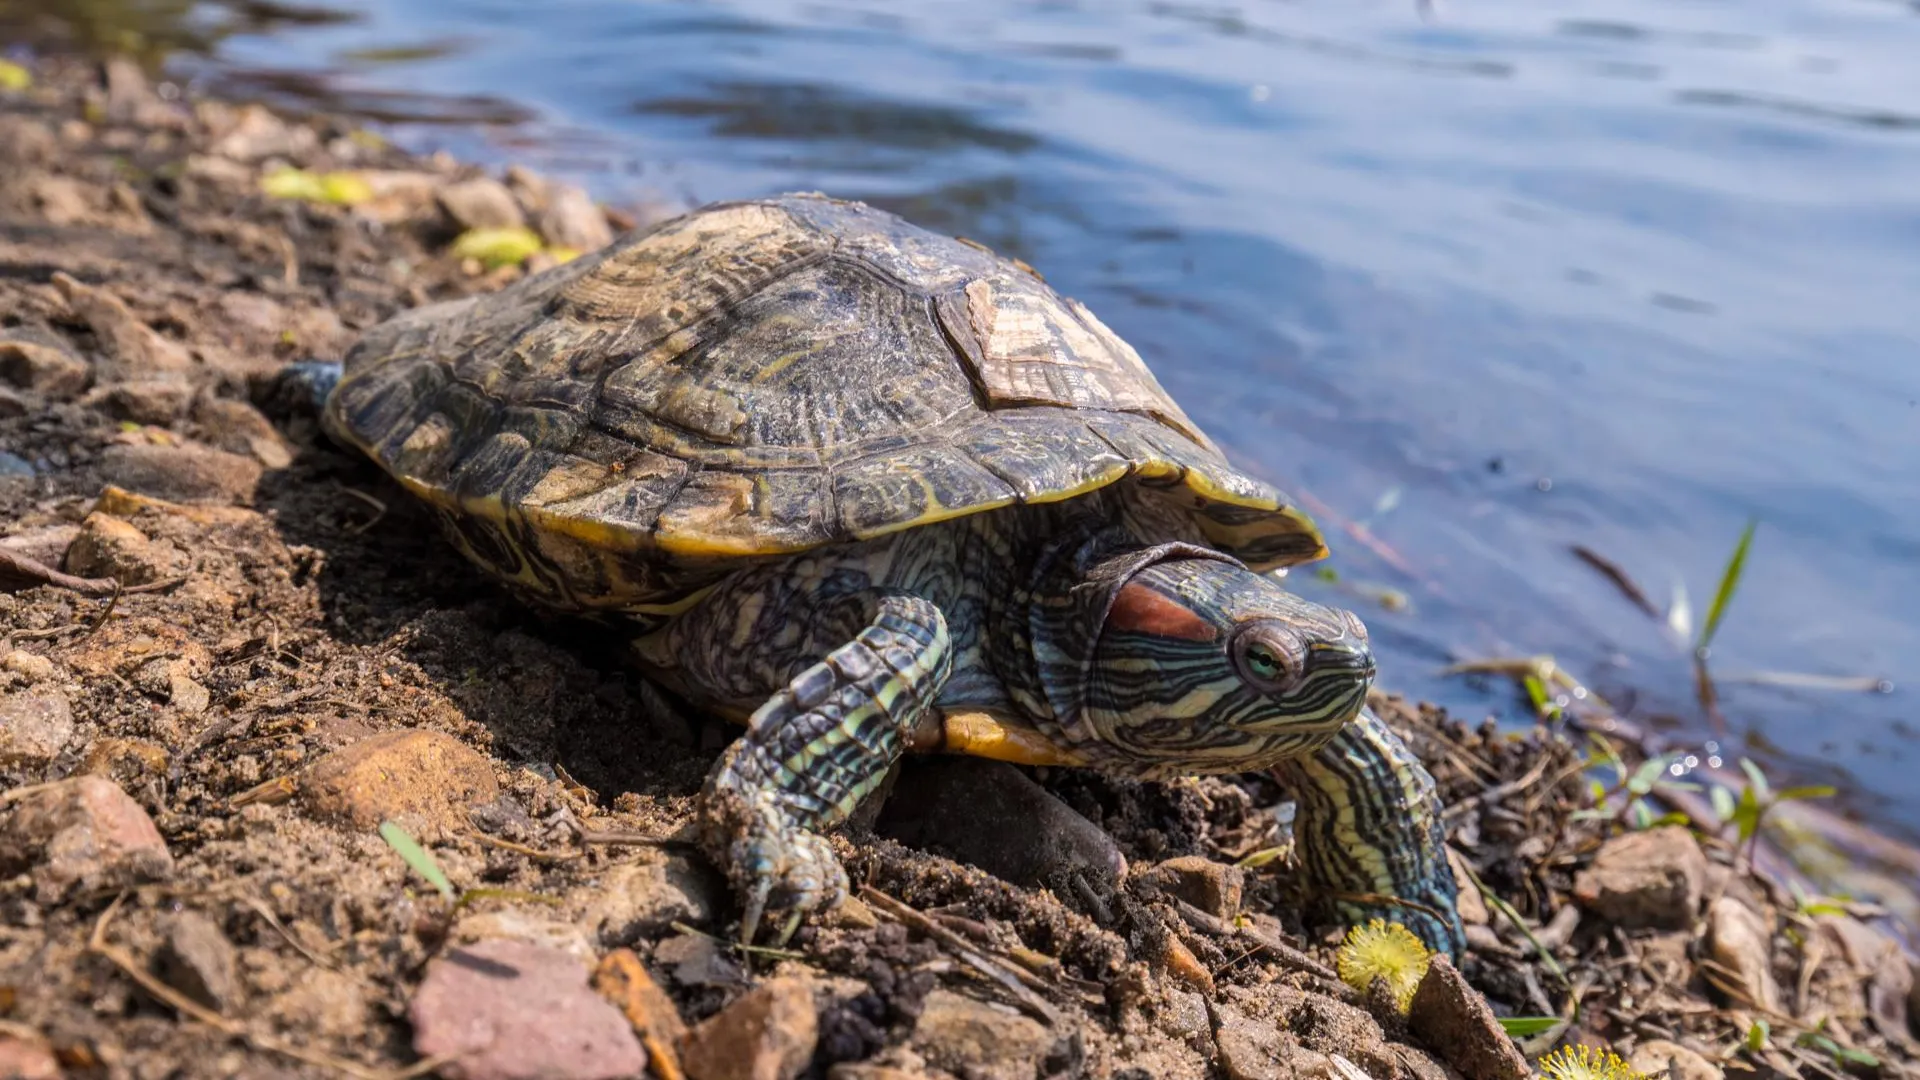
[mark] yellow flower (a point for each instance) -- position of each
(1586, 1063)
(1383, 950)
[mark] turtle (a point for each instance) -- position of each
(869, 490)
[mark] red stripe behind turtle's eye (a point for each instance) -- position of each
(1145, 610)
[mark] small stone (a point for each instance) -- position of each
(510, 1010)
(1252, 1049)
(512, 925)
(427, 774)
(1471, 906)
(126, 762)
(1741, 942)
(142, 401)
(1454, 1019)
(768, 1034)
(622, 979)
(572, 220)
(480, 203)
(23, 1058)
(42, 365)
(12, 404)
(30, 666)
(186, 474)
(696, 960)
(1662, 1059)
(110, 547)
(398, 195)
(239, 428)
(867, 1070)
(84, 832)
(132, 349)
(991, 815)
(1210, 886)
(254, 133)
(1645, 879)
(187, 695)
(197, 959)
(972, 1038)
(35, 725)
(641, 898)
(1876, 961)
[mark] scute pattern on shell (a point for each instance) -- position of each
(760, 378)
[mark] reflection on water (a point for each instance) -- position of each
(1478, 285)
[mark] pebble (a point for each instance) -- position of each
(35, 725)
(509, 924)
(639, 899)
(111, 547)
(185, 473)
(24, 1058)
(13, 465)
(427, 775)
(867, 1070)
(254, 133)
(572, 220)
(1876, 961)
(83, 832)
(131, 348)
(124, 761)
(196, 959)
(696, 960)
(768, 1034)
(239, 428)
(12, 405)
(480, 203)
(1454, 1019)
(990, 814)
(42, 366)
(972, 1038)
(142, 401)
(622, 979)
(30, 666)
(1212, 887)
(1663, 1059)
(512, 1010)
(1251, 1049)
(1645, 879)
(1741, 941)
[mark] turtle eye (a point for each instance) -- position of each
(1266, 661)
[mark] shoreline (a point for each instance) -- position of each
(292, 657)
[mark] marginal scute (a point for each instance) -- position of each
(1041, 458)
(916, 486)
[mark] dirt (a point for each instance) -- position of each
(264, 645)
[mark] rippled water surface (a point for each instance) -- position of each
(1480, 282)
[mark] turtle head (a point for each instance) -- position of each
(1204, 666)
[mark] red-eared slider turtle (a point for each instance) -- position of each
(870, 490)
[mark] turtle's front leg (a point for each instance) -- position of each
(1370, 835)
(811, 753)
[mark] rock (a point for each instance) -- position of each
(989, 814)
(510, 1010)
(972, 1038)
(1252, 1049)
(35, 725)
(132, 349)
(239, 428)
(1471, 906)
(1661, 1059)
(867, 1070)
(398, 195)
(29, 666)
(426, 774)
(1645, 879)
(14, 466)
(24, 1058)
(110, 547)
(572, 220)
(1876, 961)
(1455, 1020)
(1210, 886)
(622, 979)
(142, 401)
(254, 133)
(639, 899)
(124, 761)
(696, 960)
(512, 925)
(42, 365)
(1741, 942)
(768, 1034)
(480, 203)
(86, 833)
(46, 545)
(185, 473)
(196, 959)
(12, 404)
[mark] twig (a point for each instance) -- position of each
(522, 849)
(1498, 791)
(1011, 979)
(1612, 571)
(1208, 923)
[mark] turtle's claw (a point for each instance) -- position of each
(773, 864)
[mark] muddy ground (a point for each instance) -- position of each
(232, 652)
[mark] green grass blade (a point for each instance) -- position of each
(403, 843)
(1729, 584)
(1520, 1027)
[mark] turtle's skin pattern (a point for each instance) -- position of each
(871, 490)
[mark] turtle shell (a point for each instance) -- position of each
(760, 378)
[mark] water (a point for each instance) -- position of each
(1489, 280)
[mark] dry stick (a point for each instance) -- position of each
(1498, 791)
(1208, 923)
(186, 1006)
(1612, 571)
(522, 849)
(20, 572)
(1013, 980)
